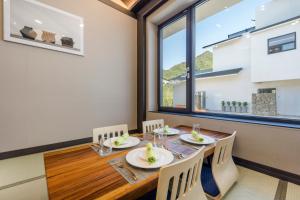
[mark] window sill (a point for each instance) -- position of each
(268, 121)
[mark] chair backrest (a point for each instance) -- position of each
(109, 131)
(224, 170)
(182, 179)
(149, 126)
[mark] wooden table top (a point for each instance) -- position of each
(80, 173)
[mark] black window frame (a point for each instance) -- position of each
(294, 42)
(178, 16)
(191, 26)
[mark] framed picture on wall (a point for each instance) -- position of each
(33, 23)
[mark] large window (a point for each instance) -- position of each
(230, 50)
(173, 59)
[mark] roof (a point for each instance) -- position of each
(240, 33)
(276, 24)
(251, 30)
(222, 41)
(210, 74)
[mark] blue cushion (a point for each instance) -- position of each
(208, 182)
(149, 196)
(152, 195)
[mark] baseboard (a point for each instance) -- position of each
(43, 148)
(280, 174)
(48, 147)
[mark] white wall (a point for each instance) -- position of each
(151, 69)
(226, 88)
(232, 54)
(49, 96)
(276, 11)
(179, 97)
(283, 65)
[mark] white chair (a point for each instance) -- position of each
(223, 170)
(109, 131)
(149, 126)
(181, 180)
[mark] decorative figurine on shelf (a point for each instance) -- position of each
(48, 37)
(28, 33)
(67, 41)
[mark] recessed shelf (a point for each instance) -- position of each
(42, 42)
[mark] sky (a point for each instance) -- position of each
(210, 30)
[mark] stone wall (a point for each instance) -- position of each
(264, 104)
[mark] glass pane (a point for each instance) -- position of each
(234, 74)
(282, 39)
(173, 71)
(288, 46)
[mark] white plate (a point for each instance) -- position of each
(136, 158)
(189, 138)
(171, 131)
(130, 142)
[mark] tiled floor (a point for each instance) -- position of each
(253, 186)
(293, 192)
(33, 190)
(20, 169)
(23, 178)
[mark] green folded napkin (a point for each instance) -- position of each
(120, 140)
(150, 154)
(197, 137)
(166, 129)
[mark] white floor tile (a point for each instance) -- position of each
(293, 192)
(253, 186)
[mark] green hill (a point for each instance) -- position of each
(203, 63)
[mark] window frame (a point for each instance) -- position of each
(294, 42)
(184, 13)
(189, 110)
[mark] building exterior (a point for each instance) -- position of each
(262, 59)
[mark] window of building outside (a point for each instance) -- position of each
(282, 43)
(245, 59)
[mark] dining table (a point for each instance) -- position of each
(81, 173)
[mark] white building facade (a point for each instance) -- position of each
(260, 68)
